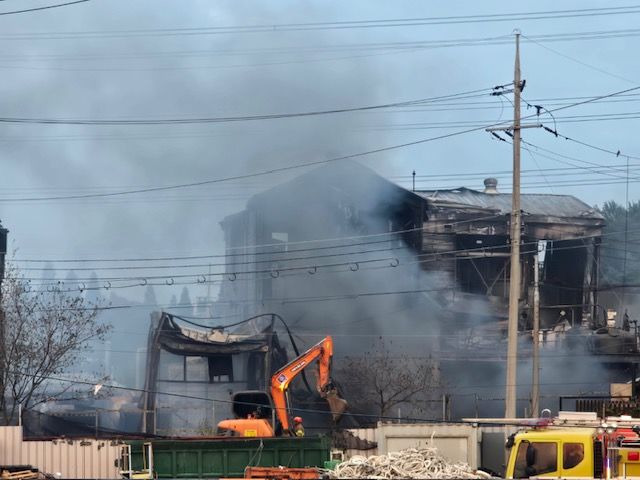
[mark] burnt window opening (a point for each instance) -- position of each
(255, 371)
(196, 369)
(220, 369)
(487, 276)
(482, 267)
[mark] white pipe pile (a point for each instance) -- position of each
(414, 463)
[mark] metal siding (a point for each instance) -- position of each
(73, 459)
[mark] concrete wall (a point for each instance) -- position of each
(455, 442)
(88, 458)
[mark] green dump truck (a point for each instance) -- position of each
(200, 458)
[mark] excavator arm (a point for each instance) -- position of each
(322, 352)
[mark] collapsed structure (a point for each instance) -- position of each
(192, 363)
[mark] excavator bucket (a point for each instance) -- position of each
(337, 405)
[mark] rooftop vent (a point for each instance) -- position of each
(491, 185)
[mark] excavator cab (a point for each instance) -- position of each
(252, 404)
(254, 416)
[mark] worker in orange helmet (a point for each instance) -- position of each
(298, 428)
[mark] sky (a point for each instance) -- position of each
(123, 60)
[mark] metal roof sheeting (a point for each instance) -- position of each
(531, 203)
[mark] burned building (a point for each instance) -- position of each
(474, 225)
(312, 218)
(193, 365)
(342, 251)
(461, 236)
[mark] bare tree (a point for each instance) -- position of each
(46, 332)
(380, 380)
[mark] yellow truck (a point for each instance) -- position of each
(576, 448)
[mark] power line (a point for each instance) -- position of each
(355, 24)
(499, 173)
(433, 257)
(226, 264)
(412, 45)
(580, 62)
(243, 118)
(590, 166)
(244, 176)
(383, 49)
(390, 234)
(469, 123)
(387, 237)
(617, 153)
(307, 164)
(353, 266)
(46, 7)
(263, 245)
(92, 383)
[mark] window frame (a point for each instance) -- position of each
(564, 455)
(520, 470)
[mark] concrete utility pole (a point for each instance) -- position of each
(3, 253)
(515, 277)
(535, 375)
(516, 223)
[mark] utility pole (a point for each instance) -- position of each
(535, 375)
(514, 280)
(516, 223)
(3, 253)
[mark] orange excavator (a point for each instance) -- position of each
(256, 425)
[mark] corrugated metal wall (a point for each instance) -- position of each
(88, 458)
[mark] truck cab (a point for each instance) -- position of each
(553, 453)
(575, 452)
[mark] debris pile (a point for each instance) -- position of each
(411, 463)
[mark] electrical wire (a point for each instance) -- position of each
(307, 164)
(384, 49)
(395, 263)
(356, 24)
(92, 383)
(242, 118)
(46, 7)
(391, 234)
(227, 264)
(580, 62)
(617, 153)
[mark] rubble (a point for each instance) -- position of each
(422, 463)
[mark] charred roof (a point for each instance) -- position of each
(531, 203)
(363, 185)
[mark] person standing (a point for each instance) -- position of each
(298, 428)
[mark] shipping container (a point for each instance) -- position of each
(229, 457)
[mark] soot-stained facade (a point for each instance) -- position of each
(342, 250)
(459, 235)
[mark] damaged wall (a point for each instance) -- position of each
(191, 360)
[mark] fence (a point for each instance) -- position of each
(79, 458)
